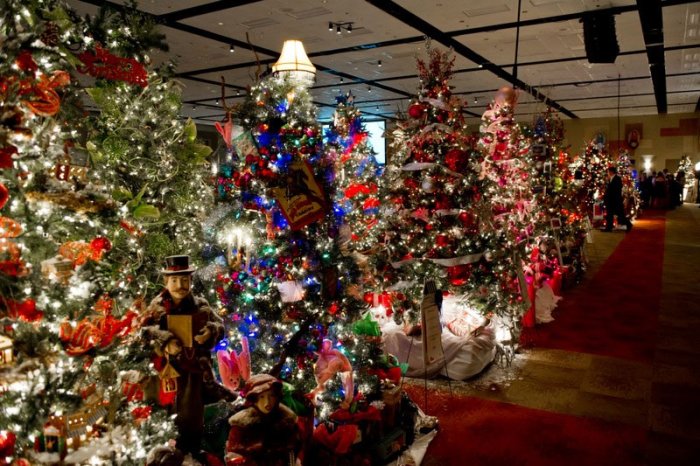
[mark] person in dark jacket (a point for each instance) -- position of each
(613, 201)
(183, 329)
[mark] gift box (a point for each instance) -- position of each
(390, 446)
(391, 396)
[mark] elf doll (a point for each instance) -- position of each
(266, 432)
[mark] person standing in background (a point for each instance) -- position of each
(613, 201)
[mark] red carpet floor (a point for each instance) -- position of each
(615, 313)
(480, 432)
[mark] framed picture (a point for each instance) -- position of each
(79, 157)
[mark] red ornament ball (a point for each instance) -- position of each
(416, 110)
(458, 275)
(456, 160)
(100, 244)
(442, 240)
(7, 443)
(4, 195)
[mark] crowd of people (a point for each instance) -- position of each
(662, 190)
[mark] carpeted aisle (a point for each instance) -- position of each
(615, 313)
(481, 432)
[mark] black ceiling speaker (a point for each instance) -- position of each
(600, 38)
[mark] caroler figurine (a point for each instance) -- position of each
(183, 330)
(266, 432)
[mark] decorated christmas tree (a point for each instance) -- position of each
(589, 169)
(88, 196)
(630, 193)
(436, 221)
(562, 224)
(515, 212)
(284, 277)
(357, 177)
(688, 170)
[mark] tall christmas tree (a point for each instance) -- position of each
(288, 287)
(515, 212)
(557, 196)
(589, 169)
(76, 230)
(630, 193)
(435, 219)
(357, 176)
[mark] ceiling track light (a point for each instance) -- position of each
(379, 63)
(338, 27)
(232, 48)
(369, 88)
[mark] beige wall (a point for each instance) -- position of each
(665, 150)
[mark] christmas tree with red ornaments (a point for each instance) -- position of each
(590, 174)
(436, 209)
(513, 209)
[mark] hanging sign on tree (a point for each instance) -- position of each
(301, 199)
(430, 323)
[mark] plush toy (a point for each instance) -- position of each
(266, 432)
(234, 366)
(330, 362)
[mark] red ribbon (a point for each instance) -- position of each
(102, 64)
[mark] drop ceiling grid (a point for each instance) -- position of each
(313, 31)
(677, 62)
(449, 15)
(159, 7)
(678, 20)
(684, 83)
(684, 97)
(194, 90)
(194, 52)
(397, 60)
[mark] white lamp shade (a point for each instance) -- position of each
(294, 61)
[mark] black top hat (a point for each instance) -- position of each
(177, 265)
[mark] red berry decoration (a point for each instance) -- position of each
(100, 244)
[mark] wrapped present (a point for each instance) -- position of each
(391, 396)
(389, 446)
(132, 385)
(57, 268)
(51, 440)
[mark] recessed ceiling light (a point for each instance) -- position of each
(221, 24)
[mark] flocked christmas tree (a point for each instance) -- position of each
(515, 212)
(78, 231)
